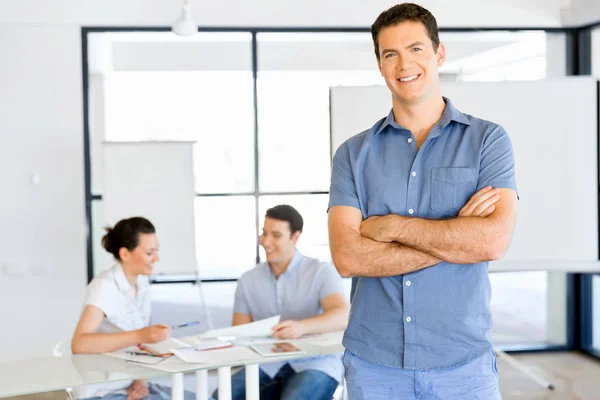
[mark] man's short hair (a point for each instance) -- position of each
(284, 212)
(405, 12)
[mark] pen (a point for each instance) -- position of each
(184, 325)
(139, 353)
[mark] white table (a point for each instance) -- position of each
(48, 374)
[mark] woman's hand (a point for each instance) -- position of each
(153, 334)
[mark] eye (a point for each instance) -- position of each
(388, 55)
(417, 49)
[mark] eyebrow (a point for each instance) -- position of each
(417, 43)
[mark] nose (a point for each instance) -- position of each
(405, 60)
(264, 241)
(156, 257)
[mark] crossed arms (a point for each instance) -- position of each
(395, 245)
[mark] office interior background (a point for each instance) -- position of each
(252, 89)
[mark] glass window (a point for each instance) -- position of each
(225, 235)
(203, 94)
(529, 308)
(495, 56)
(314, 241)
(295, 72)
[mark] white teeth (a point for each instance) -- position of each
(409, 78)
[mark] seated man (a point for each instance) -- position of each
(307, 294)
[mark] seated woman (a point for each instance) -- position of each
(117, 309)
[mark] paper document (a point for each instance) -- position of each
(165, 346)
(229, 355)
(253, 329)
(127, 354)
(321, 340)
(205, 344)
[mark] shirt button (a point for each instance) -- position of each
(409, 140)
(414, 174)
(408, 319)
(407, 283)
(411, 211)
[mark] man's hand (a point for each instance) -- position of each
(481, 204)
(138, 390)
(288, 330)
(376, 228)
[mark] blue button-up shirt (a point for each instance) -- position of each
(440, 316)
(295, 295)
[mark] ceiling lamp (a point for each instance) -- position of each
(185, 25)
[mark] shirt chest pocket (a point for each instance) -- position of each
(451, 188)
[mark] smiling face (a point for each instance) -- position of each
(409, 63)
(278, 241)
(140, 261)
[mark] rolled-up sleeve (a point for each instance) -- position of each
(497, 165)
(342, 191)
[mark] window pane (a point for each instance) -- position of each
(205, 95)
(495, 56)
(225, 235)
(529, 308)
(295, 72)
(314, 241)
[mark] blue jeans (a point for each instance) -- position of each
(157, 392)
(477, 379)
(286, 385)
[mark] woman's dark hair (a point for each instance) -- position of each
(287, 213)
(125, 234)
(405, 12)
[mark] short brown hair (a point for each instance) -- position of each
(285, 212)
(405, 12)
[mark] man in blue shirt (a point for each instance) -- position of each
(309, 296)
(406, 221)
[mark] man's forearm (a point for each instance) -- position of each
(360, 256)
(331, 320)
(465, 240)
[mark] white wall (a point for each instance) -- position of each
(580, 12)
(276, 12)
(42, 234)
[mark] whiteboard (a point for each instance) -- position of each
(553, 128)
(154, 180)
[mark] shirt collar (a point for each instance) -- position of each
(123, 283)
(294, 262)
(451, 113)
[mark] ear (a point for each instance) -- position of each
(296, 236)
(441, 55)
(379, 66)
(123, 254)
